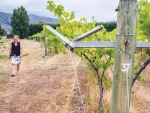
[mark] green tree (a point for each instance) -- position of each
(36, 28)
(110, 26)
(4, 32)
(20, 22)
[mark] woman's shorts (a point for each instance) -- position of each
(15, 60)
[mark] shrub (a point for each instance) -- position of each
(0, 37)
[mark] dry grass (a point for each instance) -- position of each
(48, 85)
(140, 99)
(140, 94)
(43, 85)
(90, 90)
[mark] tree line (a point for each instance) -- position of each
(110, 26)
(22, 27)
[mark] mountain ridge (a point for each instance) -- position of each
(5, 20)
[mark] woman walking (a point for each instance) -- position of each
(15, 54)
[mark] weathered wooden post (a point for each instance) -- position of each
(40, 40)
(124, 56)
(45, 45)
(35, 39)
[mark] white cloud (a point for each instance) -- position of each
(37, 7)
(103, 10)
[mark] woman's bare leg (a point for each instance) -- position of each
(13, 69)
(18, 68)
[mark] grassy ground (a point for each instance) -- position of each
(140, 99)
(42, 86)
(48, 85)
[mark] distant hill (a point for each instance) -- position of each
(37, 19)
(5, 20)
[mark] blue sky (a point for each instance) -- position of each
(102, 10)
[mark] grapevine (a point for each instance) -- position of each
(98, 58)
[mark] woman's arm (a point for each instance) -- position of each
(20, 50)
(10, 50)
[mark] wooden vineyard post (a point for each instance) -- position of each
(45, 45)
(124, 56)
(35, 39)
(40, 40)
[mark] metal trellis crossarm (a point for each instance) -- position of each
(106, 44)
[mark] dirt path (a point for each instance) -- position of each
(42, 86)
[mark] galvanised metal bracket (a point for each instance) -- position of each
(76, 44)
